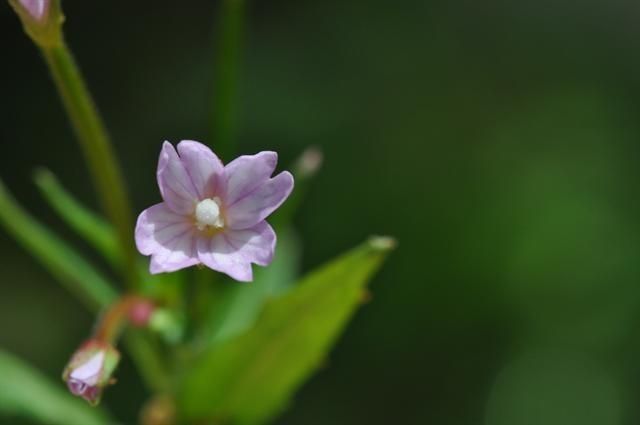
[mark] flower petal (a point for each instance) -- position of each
(255, 245)
(255, 206)
(166, 236)
(233, 251)
(204, 167)
(217, 254)
(174, 182)
(246, 173)
(89, 372)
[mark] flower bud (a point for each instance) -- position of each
(90, 368)
(42, 20)
(308, 164)
(169, 325)
(140, 312)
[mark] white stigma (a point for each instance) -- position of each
(208, 213)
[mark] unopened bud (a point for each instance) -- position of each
(42, 20)
(141, 312)
(309, 162)
(90, 370)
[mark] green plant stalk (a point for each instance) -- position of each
(62, 261)
(110, 327)
(229, 36)
(228, 43)
(81, 279)
(89, 225)
(97, 150)
(96, 146)
(206, 285)
(149, 363)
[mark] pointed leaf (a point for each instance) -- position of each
(99, 233)
(249, 379)
(240, 304)
(25, 392)
(62, 261)
(87, 223)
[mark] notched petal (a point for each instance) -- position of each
(233, 251)
(255, 245)
(259, 204)
(245, 173)
(203, 166)
(217, 254)
(174, 182)
(168, 237)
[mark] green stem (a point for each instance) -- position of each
(139, 344)
(202, 295)
(89, 225)
(97, 150)
(114, 319)
(150, 364)
(67, 265)
(229, 40)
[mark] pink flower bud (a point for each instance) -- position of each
(36, 8)
(90, 369)
(309, 162)
(41, 19)
(141, 312)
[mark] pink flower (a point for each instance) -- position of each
(212, 214)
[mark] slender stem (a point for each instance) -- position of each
(150, 365)
(111, 326)
(96, 147)
(89, 225)
(206, 287)
(114, 319)
(229, 42)
(62, 261)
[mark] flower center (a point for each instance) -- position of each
(208, 214)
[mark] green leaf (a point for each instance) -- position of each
(62, 261)
(25, 392)
(250, 378)
(282, 273)
(99, 233)
(241, 303)
(87, 223)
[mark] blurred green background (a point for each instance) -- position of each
(498, 141)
